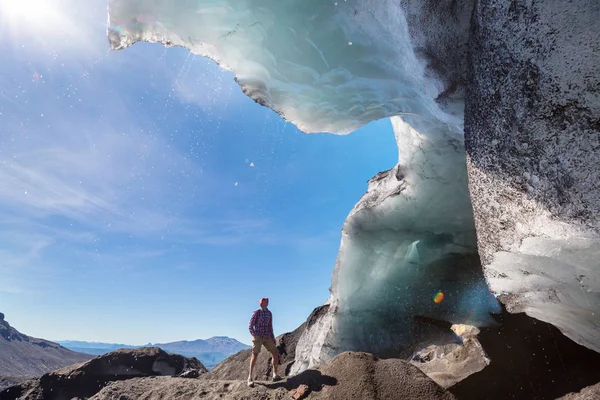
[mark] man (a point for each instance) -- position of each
(261, 329)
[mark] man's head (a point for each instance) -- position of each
(264, 302)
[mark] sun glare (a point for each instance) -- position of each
(32, 15)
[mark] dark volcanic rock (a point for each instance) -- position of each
(25, 356)
(589, 393)
(237, 366)
(7, 381)
(530, 359)
(347, 376)
(363, 376)
(86, 379)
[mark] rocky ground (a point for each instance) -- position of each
(149, 373)
(347, 376)
(521, 358)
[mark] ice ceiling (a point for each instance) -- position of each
(408, 255)
(323, 65)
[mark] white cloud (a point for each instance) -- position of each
(87, 171)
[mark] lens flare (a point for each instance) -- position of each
(439, 297)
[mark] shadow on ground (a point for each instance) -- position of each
(315, 380)
(530, 360)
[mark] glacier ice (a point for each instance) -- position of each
(323, 65)
(532, 134)
(333, 66)
(410, 237)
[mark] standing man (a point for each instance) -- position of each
(261, 329)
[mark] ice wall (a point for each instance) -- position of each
(408, 257)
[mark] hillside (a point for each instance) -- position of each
(23, 356)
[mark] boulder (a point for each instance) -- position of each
(588, 393)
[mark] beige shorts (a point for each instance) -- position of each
(258, 342)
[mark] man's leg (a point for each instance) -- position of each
(255, 350)
(275, 361)
(252, 362)
(270, 345)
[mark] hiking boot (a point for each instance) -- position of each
(276, 378)
(250, 382)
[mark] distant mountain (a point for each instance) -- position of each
(94, 348)
(25, 356)
(210, 351)
(216, 344)
(93, 345)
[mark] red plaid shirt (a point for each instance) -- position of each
(261, 324)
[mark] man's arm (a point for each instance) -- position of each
(252, 324)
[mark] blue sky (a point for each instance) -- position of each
(144, 198)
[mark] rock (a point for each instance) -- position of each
(347, 376)
(450, 364)
(530, 359)
(86, 379)
(588, 393)
(8, 381)
(190, 373)
(363, 376)
(300, 392)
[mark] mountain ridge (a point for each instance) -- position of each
(209, 351)
(25, 356)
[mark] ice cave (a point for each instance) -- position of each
(496, 111)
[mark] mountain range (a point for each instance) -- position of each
(209, 351)
(23, 356)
